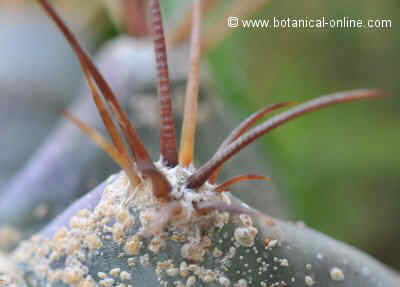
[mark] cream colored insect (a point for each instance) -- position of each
(134, 158)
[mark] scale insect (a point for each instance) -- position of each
(154, 205)
(134, 159)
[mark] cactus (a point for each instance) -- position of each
(103, 239)
(61, 150)
(167, 223)
(115, 235)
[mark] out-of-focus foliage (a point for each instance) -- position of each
(81, 12)
(339, 168)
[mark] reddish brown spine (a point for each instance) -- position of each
(236, 179)
(244, 126)
(145, 165)
(168, 145)
(204, 173)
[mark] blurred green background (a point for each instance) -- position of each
(338, 168)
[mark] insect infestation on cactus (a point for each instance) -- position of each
(138, 164)
(164, 204)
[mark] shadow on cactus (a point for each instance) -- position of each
(168, 223)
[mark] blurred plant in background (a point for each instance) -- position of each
(338, 169)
